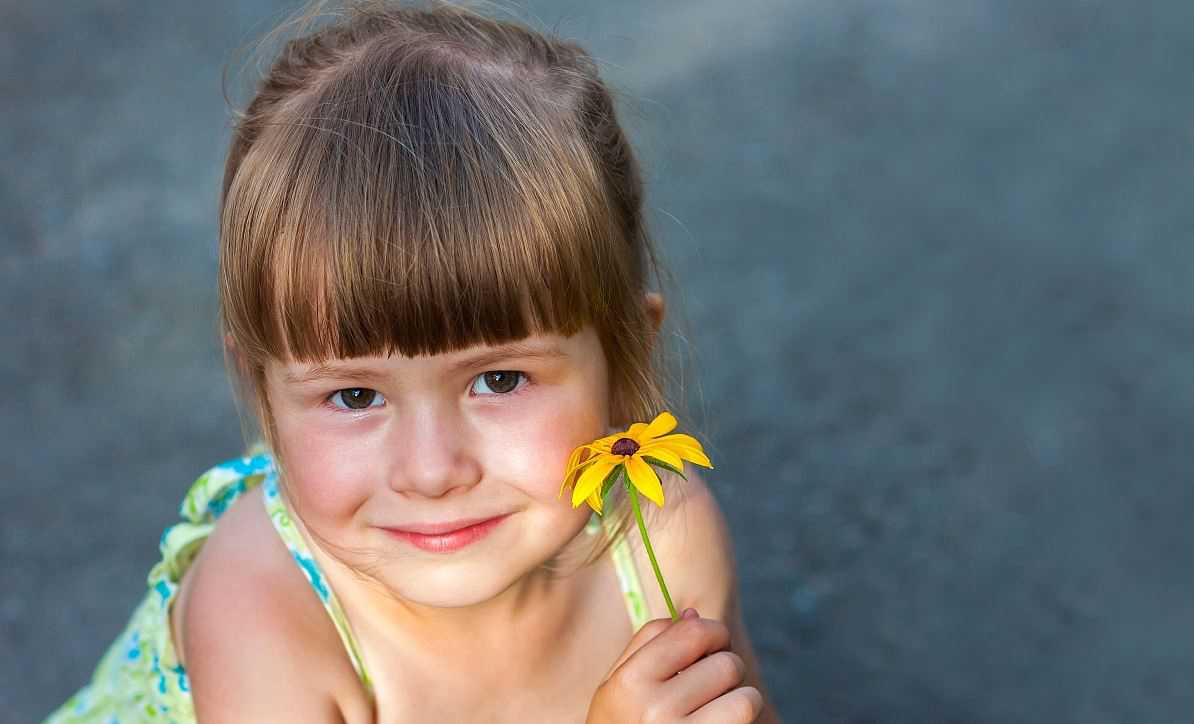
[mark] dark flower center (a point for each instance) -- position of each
(624, 446)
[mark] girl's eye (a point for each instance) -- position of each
(500, 381)
(355, 398)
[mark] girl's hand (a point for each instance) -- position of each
(677, 672)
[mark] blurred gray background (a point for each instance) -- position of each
(936, 267)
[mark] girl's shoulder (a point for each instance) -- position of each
(693, 546)
(250, 630)
(695, 552)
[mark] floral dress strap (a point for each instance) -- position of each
(279, 515)
(632, 591)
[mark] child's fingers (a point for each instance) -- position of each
(740, 706)
(649, 631)
(677, 647)
(704, 681)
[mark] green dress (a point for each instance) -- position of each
(139, 678)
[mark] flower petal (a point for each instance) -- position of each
(643, 477)
(663, 453)
(594, 502)
(663, 423)
(685, 446)
(603, 444)
(590, 480)
(571, 475)
(581, 457)
(573, 461)
(574, 458)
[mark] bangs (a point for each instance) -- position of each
(418, 202)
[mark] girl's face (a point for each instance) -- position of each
(375, 444)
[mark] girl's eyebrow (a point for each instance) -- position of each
(513, 349)
(478, 359)
(339, 372)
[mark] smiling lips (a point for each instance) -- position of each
(446, 537)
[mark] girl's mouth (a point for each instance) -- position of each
(447, 541)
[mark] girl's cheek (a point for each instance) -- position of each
(328, 488)
(545, 449)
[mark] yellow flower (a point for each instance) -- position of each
(594, 467)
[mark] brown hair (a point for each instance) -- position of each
(421, 180)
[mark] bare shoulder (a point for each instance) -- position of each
(253, 636)
(695, 550)
(691, 534)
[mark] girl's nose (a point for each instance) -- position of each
(432, 450)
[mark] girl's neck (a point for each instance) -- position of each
(521, 626)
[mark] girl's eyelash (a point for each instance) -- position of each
(329, 399)
(517, 390)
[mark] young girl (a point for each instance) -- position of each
(433, 287)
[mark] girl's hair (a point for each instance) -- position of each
(421, 180)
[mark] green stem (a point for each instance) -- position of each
(642, 529)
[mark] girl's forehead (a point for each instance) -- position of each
(539, 346)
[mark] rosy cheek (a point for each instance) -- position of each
(550, 443)
(325, 489)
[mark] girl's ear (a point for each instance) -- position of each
(656, 310)
(233, 353)
(230, 349)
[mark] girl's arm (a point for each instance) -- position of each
(251, 671)
(254, 639)
(700, 571)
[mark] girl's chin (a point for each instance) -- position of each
(460, 590)
(445, 583)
